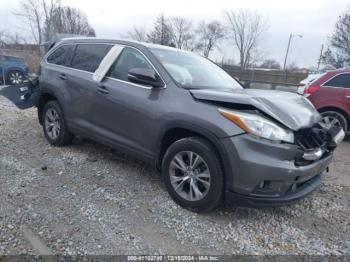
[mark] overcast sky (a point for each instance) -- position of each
(314, 19)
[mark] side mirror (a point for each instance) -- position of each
(144, 76)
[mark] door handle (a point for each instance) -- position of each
(102, 90)
(63, 76)
(347, 96)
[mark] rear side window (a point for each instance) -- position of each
(342, 80)
(61, 56)
(87, 57)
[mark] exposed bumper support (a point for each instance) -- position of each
(252, 201)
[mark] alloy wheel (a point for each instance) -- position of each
(16, 78)
(52, 123)
(189, 175)
(330, 119)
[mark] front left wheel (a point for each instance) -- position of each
(54, 125)
(193, 174)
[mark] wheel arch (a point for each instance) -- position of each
(176, 132)
(336, 109)
(44, 98)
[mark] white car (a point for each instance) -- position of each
(306, 82)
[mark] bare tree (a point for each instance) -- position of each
(209, 36)
(32, 13)
(270, 64)
(292, 66)
(338, 54)
(69, 20)
(182, 33)
(48, 17)
(245, 28)
(332, 58)
(138, 34)
(7, 39)
(161, 33)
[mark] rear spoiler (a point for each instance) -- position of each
(45, 47)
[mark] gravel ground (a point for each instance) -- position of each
(89, 199)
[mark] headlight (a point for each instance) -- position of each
(258, 126)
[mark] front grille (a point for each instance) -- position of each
(311, 138)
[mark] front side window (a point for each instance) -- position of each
(342, 80)
(61, 56)
(128, 59)
(87, 57)
(194, 72)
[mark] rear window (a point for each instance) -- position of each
(87, 57)
(342, 80)
(62, 55)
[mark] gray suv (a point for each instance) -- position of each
(212, 140)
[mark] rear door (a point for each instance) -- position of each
(54, 72)
(82, 87)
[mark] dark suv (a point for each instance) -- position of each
(13, 70)
(212, 139)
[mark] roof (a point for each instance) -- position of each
(117, 41)
(341, 70)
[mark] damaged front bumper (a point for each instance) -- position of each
(270, 174)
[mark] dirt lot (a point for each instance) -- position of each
(89, 199)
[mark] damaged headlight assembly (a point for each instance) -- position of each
(258, 126)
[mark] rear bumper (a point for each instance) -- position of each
(265, 173)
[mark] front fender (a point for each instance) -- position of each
(203, 132)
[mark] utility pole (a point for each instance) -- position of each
(288, 47)
(320, 59)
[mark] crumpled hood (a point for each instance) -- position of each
(292, 110)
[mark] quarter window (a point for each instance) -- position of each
(342, 80)
(61, 56)
(87, 57)
(128, 59)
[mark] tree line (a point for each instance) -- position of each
(45, 18)
(240, 30)
(243, 29)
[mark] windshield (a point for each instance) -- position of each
(194, 72)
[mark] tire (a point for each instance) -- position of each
(211, 196)
(14, 77)
(54, 125)
(334, 118)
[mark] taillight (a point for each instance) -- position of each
(311, 90)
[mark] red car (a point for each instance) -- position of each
(330, 94)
